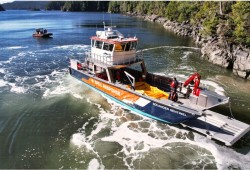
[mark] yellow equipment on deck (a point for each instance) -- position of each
(145, 88)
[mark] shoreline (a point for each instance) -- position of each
(214, 49)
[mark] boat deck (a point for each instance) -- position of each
(218, 127)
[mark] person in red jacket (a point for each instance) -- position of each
(174, 85)
(196, 86)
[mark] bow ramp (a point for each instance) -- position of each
(218, 127)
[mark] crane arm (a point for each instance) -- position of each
(191, 78)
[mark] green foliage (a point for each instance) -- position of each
(171, 11)
(54, 5)
(241, 19)
(114, 7)
(72, 6)
(206, 11)
(28, 5)
(78, 6)
(181, 11)
(210, 25)
(187, 10)
(227, 6)
(139, 7)
(143, 7)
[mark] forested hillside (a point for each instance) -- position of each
(233, 18)
(25, 5)
(79, 6)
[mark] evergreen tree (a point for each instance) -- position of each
(241, 18)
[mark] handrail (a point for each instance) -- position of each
(131, 79)
(107, 59)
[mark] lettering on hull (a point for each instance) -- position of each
(169, 109)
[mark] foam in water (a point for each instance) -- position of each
(186, 54)
(186, 68)
(72, 47)
(2, 70)
(9, 60)
(16, 89)
(15, 47)
(66, 85)
(94, 165)
(217, 88)
(129, 135)
(172, 47)
(3, 83)
(226, 157)
(78, 139)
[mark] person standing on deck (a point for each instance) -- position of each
(174, 85)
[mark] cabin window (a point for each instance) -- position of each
(127, 48)
(118, 47)
(123, 46)
(108, 47)
(133, 45)
(98, 44)
(92, 43)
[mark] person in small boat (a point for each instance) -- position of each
(174, 85)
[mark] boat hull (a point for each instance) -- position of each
(134, 102)
(47, 35)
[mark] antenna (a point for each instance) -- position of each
(110, 18)
(103, 17)
(104, 25)
(103, 21)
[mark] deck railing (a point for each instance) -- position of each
(107, 59)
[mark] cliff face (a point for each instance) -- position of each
(1, 8)
(233, 57)
(215, 49)
(242, 63)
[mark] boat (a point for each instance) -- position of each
(115, 69)
(40, 32)
(109, 69)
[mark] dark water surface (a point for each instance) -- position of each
(50, 120)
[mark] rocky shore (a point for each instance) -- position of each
(214, 49)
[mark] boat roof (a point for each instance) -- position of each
(114, 41)
(40, 29)
(112, 36)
